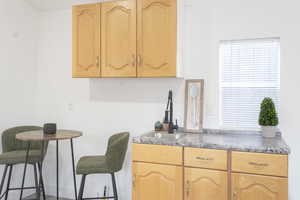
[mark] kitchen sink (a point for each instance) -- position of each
(164, 135)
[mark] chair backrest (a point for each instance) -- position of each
(116, 150)
(10, 143)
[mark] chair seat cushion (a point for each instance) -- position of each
(93, 165)
(18, 157)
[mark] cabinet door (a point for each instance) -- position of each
(156, 38)
(118, 39)
(257, 187)
(154, 181)
(86, 40)
(204, 184)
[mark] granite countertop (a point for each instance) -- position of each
(247, 141)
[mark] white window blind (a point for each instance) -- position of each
(250, 71)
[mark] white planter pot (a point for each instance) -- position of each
(269, 131)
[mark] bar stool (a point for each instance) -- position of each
(110, 163)
(14, 153)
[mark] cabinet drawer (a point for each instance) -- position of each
(259, 163)
(205, 158)
(157, 154)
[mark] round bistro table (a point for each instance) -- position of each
(39, 136)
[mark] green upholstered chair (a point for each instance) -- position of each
(110, 163)
(14, 152)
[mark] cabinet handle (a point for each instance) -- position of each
(139, 60)
(259, 164)
(97, 61)
(133, 60)
(234, 195)
(133, 181)
(188, 188)
(204, 159)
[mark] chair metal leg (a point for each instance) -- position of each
(38, 191)
(42, 180)
(25, 168)
(114, 186)
(3, 179)
(80, 195)
(8, 181)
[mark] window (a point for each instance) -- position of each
(250, 71)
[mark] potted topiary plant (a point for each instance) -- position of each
(268, 119)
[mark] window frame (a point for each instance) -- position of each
(244, 85)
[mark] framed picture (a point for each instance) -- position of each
(193, 112)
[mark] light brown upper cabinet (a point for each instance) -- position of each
(118, 39)
(156, 22)
(86, 41)
(138, 39)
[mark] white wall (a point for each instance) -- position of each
(17, 62)
(101, 107)
(17, 67)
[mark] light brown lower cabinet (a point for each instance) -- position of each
(181, 173)
(205, 184)
(258, 187)
(157, 182)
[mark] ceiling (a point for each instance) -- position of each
(46, 5)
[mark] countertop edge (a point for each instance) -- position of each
(275, 145)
